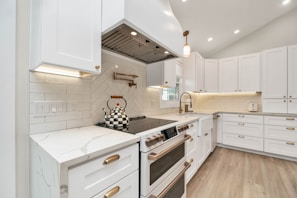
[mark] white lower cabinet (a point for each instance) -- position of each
(244, 131)
(242, 141)
(105, 173)
(191, 151)
(281, 135)
(127, 187)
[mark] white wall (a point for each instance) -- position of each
(278, 33)
(7, 99)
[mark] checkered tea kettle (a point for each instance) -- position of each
(117, 116)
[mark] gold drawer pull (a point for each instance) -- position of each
(191, 139)
(205, 134)
(241, 124)
(291, 128)
(290, 118)
(97, 67)
(241, 136)
(111, 159)
(290, 143)
(112, 192)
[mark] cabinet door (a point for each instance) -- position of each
(66, 33)
(220, 128)
(292, 71)
(169, 73)
(274, 105)
(207, 143)
(189, 73)
(249, 72)
(200, 151)
(228, 75)
(292, 106)
(211, 76)
(199, 73)
(275, 73)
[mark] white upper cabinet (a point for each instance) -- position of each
(66, 34)
(211, 75)
(249, 69)
(275, 73)
(280, 80)
(228, 74)
(163, 73)
(193, 72)
(292, 71)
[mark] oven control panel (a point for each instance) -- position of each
(154, 139)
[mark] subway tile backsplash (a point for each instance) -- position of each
(60, 102)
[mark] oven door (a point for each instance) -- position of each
(159, 163)
(174, 185)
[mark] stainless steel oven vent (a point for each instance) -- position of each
(139, 47)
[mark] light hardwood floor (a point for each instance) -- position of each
(234, 174)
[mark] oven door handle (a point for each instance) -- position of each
(166, 190)
(156, 156)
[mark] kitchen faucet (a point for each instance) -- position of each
(186, 106)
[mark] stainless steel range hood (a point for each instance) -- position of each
(159, 34)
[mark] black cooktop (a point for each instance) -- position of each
(139, 124)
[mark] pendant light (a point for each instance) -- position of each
(187, 48)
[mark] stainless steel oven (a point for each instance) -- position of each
(161, 165)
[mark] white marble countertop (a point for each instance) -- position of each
(73, 146)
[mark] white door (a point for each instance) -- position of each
(66, 33)
(189, 73)
(249, 72)
(292, 71)
(274, 105)
(219, 128)
(207, 143)
(169, 73)
(211, 75)
(200, 151)
(275, 73)
(228, 75)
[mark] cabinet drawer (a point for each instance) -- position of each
(281, 147)
(192, 158)
(280, 121)
(256, 119)
(191, 144)
(247, 142)
(280, 133)
(241, 128)
(127, 187)
(92, 177)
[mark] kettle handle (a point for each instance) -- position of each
(116, 97)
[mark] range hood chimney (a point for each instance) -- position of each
(159, 34)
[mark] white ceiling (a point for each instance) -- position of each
(219, 19)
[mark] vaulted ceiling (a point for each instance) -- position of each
(220, 18)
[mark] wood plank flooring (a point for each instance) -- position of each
(234, 174)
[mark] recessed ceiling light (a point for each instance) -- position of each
(236, 31)
(184, 0)
(209, 39)
(166, 52)
(285, 2)
(133, 33)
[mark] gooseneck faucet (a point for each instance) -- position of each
(180, 102)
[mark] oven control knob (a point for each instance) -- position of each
(148, 142)
(160, 137)
(155, 139)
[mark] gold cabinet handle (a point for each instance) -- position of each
(291, 128)
(241, 124)
(191, 139)
(111, 159)
(166, 82)
(191, 125)
(290, 143)
(241, 136)
(290, 118)
(112, 192)
(205, 134)
(97, 67)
